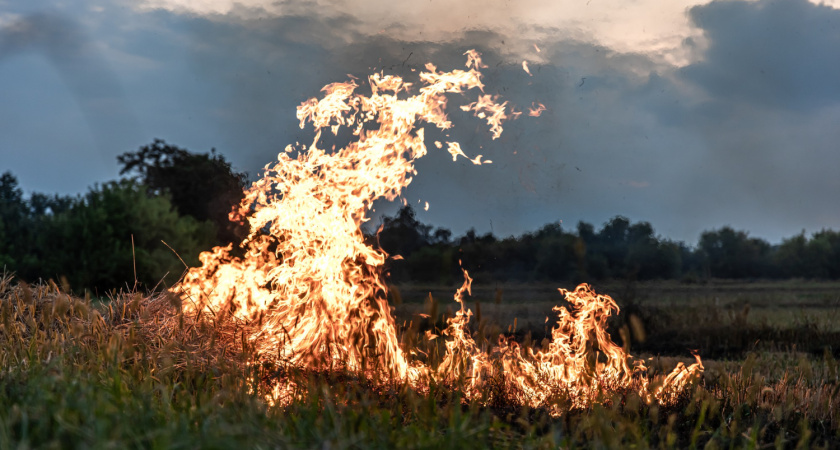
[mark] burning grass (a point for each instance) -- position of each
(309, 291)
(135, 372)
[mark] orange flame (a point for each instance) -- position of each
(536, 109)
(310, 287)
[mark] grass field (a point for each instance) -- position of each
(114, 375)
(719, 318)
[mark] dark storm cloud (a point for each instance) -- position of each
(760, 105)
(773, 53)
(686, 149)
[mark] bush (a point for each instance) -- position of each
(89, 242)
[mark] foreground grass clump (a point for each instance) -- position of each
(134, 373)
(79, 375)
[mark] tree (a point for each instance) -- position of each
(403, 234)
(614, 246)
(818, 257)
(427, 254)
(828, 243)
(87, 240)
(13, 215)
(733, 254)
(91, 242)
(203, 186)
(649, 257)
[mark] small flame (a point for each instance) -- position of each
(309, 287)
(454, 149)
(525, 68)
(487, 108)
(536, 109)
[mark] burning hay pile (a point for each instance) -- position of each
(309, 293)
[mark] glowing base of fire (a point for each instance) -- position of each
(580, 366)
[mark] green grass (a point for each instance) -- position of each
(123, 375)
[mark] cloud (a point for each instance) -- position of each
(754, 111)
(559, 166)
(627, 131)
(80, 64)
(614, 118)
(770, 53)
(641, 25)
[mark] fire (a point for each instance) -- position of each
(309, 287)
(536, 109)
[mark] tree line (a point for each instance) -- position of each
(137, 232)
(142, 230)
(620, 249)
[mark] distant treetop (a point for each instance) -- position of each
(200, 185)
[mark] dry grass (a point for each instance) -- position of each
(134, 372)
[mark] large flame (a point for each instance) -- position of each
(309, 285)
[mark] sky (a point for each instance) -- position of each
(691, 115)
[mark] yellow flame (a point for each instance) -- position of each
(310, 289)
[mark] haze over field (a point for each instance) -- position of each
(691, 115)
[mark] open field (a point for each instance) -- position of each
(122, 374)
(720, 318)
